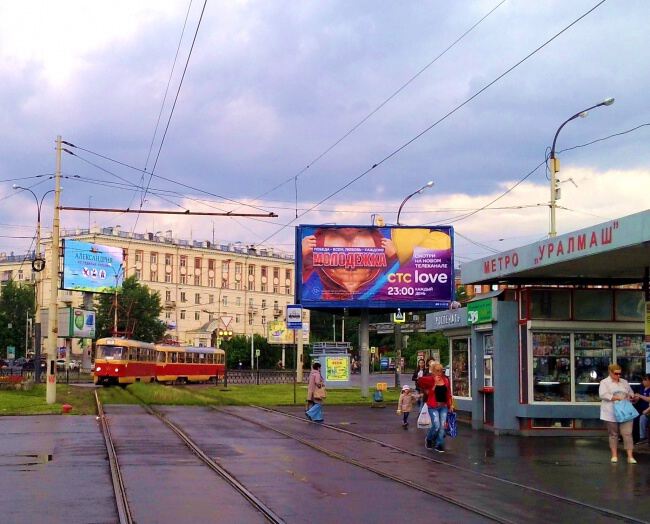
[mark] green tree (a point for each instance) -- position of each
(16, 304)
(138, 311)
(238, 348)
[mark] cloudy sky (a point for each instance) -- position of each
(270, 87)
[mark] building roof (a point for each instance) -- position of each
(614, 252)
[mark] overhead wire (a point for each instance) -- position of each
(441, 119)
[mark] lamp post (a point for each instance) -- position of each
(425, 186)
(117, 283)
(398, 327)
(37, 266)
(555, 163)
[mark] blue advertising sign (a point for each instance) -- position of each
(91, 267)
(294, 316)
(375, 267)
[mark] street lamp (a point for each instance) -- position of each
(37, 266)
(555, 163)
(425, 186)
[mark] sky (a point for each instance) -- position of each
(284, 107)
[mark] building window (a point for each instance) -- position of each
(197, 315)
(168, 296)
(276, 289)
(197, 298)
(168, 278)
(154, 276)
(210, 299)
(224, 300)
(264, 288)
(238, 301)
(251, 270)
(182, 314)
(211, 264)
(197, 263)
(250, 319)
(183, 297)
(168, 260)
(263, 303)
(138, 256)
(183, 261)
(183, 279)
(138, 274)
(168, 315)
(238, 285)
(210, 281)
(20, 274)
(237, 318)
(197, 280)
(250, 302)
(154, 258)
(263, 320)
(265, 271)
(276, 273)
(287, 274)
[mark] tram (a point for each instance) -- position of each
(121, 361)
(188, 364)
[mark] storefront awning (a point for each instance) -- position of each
(614, 252)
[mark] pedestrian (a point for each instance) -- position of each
(315, 394)
(612, 389)
(405, 404)
(643, 407)
(439, 403)
(420, 371)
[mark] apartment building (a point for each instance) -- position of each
(202, 286)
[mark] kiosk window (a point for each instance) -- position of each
(460, 378)
(592, 304)
(550, 304)
(593, 353)
(551, 367)
(630, 355)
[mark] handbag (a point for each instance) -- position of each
(452, 427)
(320, 393)
(624, 411)
(424, 420)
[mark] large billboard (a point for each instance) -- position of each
(91, 267)
(375, 267)
(279, 333)
(76, 323)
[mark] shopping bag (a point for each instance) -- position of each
(315, 413)
(424, 420)
(451, 428)
(624, 411)
(320, 393)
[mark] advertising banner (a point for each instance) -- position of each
(337, 369)
(91, 267)
(76, 323)
(279, 333)
(375, 267)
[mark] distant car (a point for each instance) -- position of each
(74, 365)
(29, 365)
(3, 363)
(60, 363)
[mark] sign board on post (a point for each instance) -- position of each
(337, 369)
(294, 316)
(480, 312)
(279, 333)
(76, 323)
(11, 352)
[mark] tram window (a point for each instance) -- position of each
(210, 358)
(173, 357)
(201, 358)
(181, 358)
(161, 357)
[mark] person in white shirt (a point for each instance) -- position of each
(612, 389)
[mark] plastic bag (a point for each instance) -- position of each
(424, 420)
(451, 428)
(315, 413)
(624, 411)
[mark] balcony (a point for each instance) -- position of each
(169, 304)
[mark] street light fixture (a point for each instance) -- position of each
(555, 163)
(38, 265)
(425, 186)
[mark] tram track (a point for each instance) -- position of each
(605, 512)
(121, 500)
(124, 512)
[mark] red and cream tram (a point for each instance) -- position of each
(188, 364)
(123, 361)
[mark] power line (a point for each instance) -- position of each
(441, 119)
(382, 104)
(604, 138)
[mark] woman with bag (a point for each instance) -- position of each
(420, 372)
(316, 393)
(615, 394)
(439, 403)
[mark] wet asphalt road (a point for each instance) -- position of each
(54, 469)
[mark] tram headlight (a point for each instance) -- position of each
(98, 368)
(117, 370)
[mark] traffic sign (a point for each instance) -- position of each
(373, 350)
(399, 317)
(257, 352)
(294, 316)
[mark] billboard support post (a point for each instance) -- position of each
(364, 338)
(398, 353)
(50, 382)
(299, 343)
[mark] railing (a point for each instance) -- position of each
(62, 376)
(263, 376)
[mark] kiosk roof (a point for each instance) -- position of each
(614, 252)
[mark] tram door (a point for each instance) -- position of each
(488, 379)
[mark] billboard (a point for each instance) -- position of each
(91, 267)
(375, 267)
(76, 323)
(279, 333)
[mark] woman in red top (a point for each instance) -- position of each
(439, 404)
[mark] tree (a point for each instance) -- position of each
(16, 304)
(238, 348)
(138, 309)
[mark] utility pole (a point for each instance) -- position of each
(50, 384)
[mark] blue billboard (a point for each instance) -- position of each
(374, 267)
(91, 267)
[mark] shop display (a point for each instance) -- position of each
(630, 355)
(460, 383)
(593, 353)
(551, 367)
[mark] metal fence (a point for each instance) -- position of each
(62, 376)
(263, 376)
